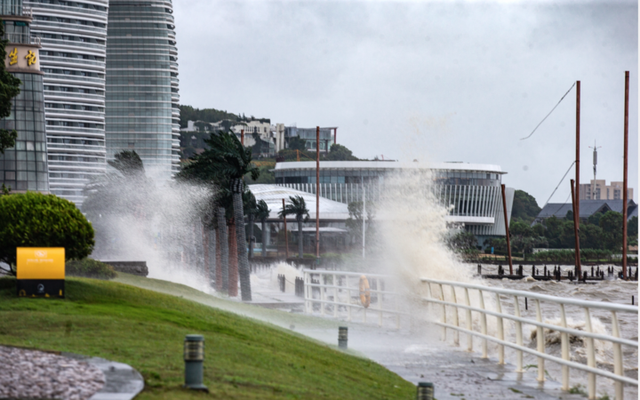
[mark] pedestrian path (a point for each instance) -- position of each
(416, 354)
(122, 382)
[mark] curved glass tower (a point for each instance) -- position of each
(73, 55)
(24, 166)
(142, 111)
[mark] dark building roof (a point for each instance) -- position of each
(587, 209)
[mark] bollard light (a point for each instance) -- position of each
(425, 391)
(193, 358)
(343, 336)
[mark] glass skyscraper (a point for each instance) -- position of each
(142, 111)
(73, 55)
(24, 166)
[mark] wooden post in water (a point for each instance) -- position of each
(576, 229)
(624, 176)
(506, 228)
(576, 210)
(286, 237)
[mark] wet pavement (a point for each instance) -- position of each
(415, 353)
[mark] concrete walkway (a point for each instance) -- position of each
(122, 381)
(417, 355)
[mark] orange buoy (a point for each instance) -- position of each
(365, 293)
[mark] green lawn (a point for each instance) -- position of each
(244, 359)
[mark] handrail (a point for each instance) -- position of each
(326, 295)
(533, 295)
(591, 368)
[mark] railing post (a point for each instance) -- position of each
(350, 306)
(618, 368)
(483, 325)
(540, 341)
(335, 296)
(500, 330)
(307, 289)
(379, 303)
(468, 318)
(323, 284)
(516, 307)
(456, 334)
(564, 343)
(444, 315)
(591, 356)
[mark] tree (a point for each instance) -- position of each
(632, 230)
(296, 143)
(262, 213)
(37, 220)
(611, 224)
(225, 163)
(128, 163)
(121, 192)
(9, 88)
(338, 152)
(296, 206)
(250, 209)
(463, 242)
(525, 207)
(354, 222)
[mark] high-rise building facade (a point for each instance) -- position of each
(73, 35)
(24, 166)
(142, 111)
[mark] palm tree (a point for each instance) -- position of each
(262, 213)
(225, 163)
(297, 207)
(250, 208)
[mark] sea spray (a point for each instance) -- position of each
(160, 225)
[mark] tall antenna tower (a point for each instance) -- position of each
(595, 168)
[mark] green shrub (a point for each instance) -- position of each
(90, 268)
(38, 220)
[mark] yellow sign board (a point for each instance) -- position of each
(40, 263)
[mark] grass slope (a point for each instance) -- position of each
(244, 359)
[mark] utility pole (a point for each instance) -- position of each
(577, 197)
(625, 173)
(576, 232)
(242, 136)
(317, 195)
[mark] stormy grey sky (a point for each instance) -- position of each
(427, 80)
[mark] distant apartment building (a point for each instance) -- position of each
(24, 166)
(286, 133)
(599, 190)
(72, 58)
(244, 130)
(142, 110)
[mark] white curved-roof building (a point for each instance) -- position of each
(472, 191)
(330, 210)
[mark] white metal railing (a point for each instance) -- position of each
(440, 297)
(331, 290)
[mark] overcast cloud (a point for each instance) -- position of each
(433, 81)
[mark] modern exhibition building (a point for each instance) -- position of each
(142, 112)
(73, 35)
(472, 192)
(24, 166)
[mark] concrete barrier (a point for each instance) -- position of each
(130, 267)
